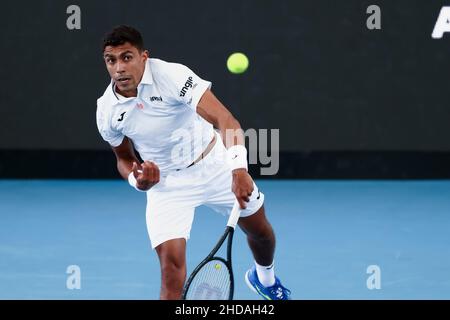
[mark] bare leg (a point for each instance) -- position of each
(172, 258)
(260, 236)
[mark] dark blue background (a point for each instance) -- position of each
(316, 73)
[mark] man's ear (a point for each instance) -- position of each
(145, 54)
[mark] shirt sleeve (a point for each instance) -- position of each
(188, 86)
(113, 137)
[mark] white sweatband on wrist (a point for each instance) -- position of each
(237, 157)
(132, 181)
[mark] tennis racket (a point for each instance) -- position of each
(213, 278)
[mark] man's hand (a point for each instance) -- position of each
(146, 175)
(242, 186)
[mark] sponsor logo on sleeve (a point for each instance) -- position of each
(189, 84)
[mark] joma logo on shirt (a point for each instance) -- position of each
(121, 116)
(186, 87)
(155, 99)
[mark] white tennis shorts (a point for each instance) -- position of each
(171, 203)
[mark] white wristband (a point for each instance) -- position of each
(132, 181)
(237, 157)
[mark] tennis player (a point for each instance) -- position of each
(168, 115)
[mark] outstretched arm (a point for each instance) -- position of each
(213, 111)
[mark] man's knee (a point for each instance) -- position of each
(257, 226)
(263, 233)
(173, 273)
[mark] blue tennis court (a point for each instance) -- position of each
(328, 234)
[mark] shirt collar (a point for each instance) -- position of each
(147, 77)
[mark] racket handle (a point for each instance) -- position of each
(234, 215)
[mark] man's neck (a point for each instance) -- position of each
(126, 94)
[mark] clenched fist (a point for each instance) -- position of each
(146, 175)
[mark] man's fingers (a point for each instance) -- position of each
(242, 204)
(150, 172)
(145, 170)
(243, 199)
(245, 195)
(135, 170)
(153, 169)
(156, 174)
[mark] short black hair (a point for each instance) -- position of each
(121, 34)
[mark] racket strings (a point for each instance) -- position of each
(212, 282)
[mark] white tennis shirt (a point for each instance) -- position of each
(161, 120)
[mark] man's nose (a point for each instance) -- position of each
(120, 67)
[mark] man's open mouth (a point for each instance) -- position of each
(123, 80)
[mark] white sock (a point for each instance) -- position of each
(266, 274)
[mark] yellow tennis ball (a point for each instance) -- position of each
(237, 62)
(217, 266)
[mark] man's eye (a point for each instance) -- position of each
(109, 60)
(127, 58)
